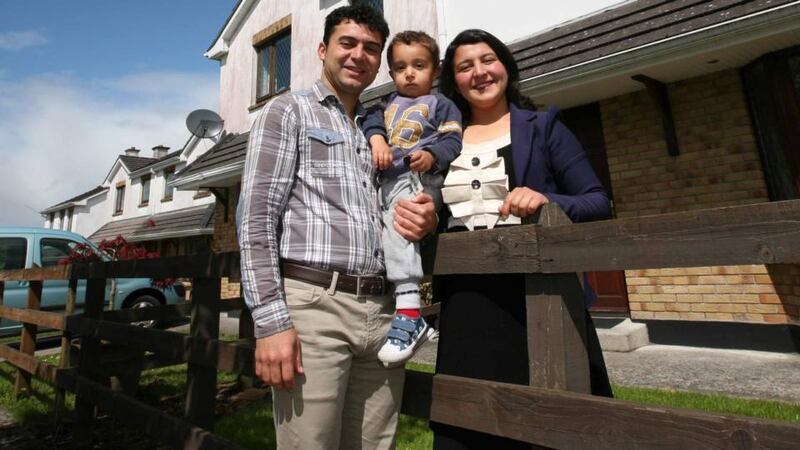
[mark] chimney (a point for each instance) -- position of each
(160, 151)
(133, 151)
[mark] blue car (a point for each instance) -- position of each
(22, 248)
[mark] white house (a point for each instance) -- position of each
(135, 201)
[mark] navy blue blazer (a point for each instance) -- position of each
(549, 159)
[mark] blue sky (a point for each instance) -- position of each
(80, 80)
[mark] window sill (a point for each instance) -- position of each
(142, 205)
(116, 213)
(166, 199)
(264, 100)
(201, 195)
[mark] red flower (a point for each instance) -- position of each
(120, 250)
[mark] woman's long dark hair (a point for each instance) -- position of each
(447, 82)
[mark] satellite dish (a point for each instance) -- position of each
(204, 123)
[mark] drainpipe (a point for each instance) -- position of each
(441, 28)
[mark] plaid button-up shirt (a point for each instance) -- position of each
(308, 196)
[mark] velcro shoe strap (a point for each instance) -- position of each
(405, 325)
(399, 334)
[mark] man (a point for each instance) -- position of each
(310, 238)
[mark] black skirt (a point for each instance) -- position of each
(483, 335)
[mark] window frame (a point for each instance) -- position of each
(167, 172)
(147, 180)
(270, 43)
(119, 199)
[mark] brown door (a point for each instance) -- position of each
(585, 122)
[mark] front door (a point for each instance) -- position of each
(585, 122)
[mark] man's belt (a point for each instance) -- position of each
(336, 281)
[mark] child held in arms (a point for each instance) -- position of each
(414, 136)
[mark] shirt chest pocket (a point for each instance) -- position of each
(326, 153)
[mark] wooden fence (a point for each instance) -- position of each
(555, 411)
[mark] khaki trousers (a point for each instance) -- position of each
(346, 399)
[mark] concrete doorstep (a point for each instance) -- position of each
(626, 336)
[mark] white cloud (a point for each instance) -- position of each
(59, 137)
(19, 40)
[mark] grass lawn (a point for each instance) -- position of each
(6, 339)
(248, 422)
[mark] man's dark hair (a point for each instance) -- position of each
(414, 37)
(447, 82)
(359, 13)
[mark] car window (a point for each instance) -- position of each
(54, 250)
(13, 251)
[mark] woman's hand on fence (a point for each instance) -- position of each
(278, 359)
(522, 202)
(415, 218)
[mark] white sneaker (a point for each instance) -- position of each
(403, 339)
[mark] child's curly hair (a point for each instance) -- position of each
(414, 37)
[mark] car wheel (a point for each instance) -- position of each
(144, 301)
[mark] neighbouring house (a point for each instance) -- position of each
(135, 201)
(680, 105)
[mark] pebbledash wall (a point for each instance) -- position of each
(718, 165)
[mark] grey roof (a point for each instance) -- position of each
(155, 161)
(623, 27)
(168, 156)
(134, 163)
(79, 197)
(193, 221)
(230, 149)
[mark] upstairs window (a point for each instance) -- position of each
(169, 175)
(119, 200)
(274, 65)
(377, 4)
(145, 191)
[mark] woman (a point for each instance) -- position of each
(506, 142)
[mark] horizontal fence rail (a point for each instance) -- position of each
(166, 428)
(561, 419)
(764, 233)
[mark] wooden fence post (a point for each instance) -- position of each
(202, 381)
(557, 349)
(246, 331)
(27, 344)
(89, 354)
(66, 344)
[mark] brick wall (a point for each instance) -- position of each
(225, 238)
(718, 165)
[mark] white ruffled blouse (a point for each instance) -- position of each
(477, 184)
